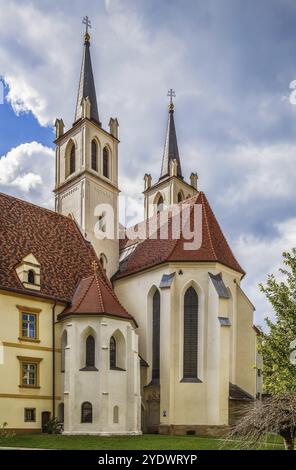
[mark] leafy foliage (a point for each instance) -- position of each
(54, 426)
(279, 373)
(4, 432)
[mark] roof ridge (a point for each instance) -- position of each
(82, 297)
(207, 224)
(99, 290)
(225, 239)
(23, 201)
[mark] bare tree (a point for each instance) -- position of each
(274, 415)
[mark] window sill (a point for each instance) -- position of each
(191, 380)
(29, 340)
(88, 368)
(118, 368)
(29, 386)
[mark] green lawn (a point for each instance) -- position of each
(146, 442)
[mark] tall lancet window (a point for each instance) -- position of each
(190, 335)
(113, 352)
(94, 155)
(90, 351)
(156, 336)
(72, 162)
(159, 205)
(106, 170)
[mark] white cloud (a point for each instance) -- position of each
(27, 171)
(261, 256)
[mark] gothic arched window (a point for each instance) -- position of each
(112, 346)
(156, 336)
(86, 412)
(180, 196)
(190, 345)
(94, 155)
(72, 162)
(159, 206)
(31, 277)
(63, 351)
(90, 351)
(106, 162)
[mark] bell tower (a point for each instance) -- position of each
(171, 187)
(86, 182)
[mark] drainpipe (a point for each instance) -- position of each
(53, 362)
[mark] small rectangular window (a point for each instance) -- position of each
(29, 374)
(30, 415)
(29, 322)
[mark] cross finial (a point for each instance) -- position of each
(87, 23)
(171, 95)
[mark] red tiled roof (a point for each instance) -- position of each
(56, 241)
(95, 296)
(151, 252)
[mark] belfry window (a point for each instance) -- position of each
(94, 155)
(72, 162)
(159, 206)
(190, 341)
(156, 336)
(106, 169)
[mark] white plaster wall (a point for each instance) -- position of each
(185, 403)
(104, 388)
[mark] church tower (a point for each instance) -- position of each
(86, 185)
(171, 187)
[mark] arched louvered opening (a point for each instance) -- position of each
(156, 336)
(159, 206)
(103, 261)
(72, 160)
(86, 412)
(90, 351)
(106, 163)
(190, 340)
(180, 196)
(94, 155)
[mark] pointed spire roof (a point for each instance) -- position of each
(171, 151)
(87, 84)
(94, 296)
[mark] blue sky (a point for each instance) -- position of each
(230, 62)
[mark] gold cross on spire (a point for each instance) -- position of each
(171, 95)
(87, 23)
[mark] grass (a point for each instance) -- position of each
(145, 442)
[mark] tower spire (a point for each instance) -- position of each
(86, 87)
(171, 151)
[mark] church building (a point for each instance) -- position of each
(120, 331)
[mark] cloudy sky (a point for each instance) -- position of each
(231, 63)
